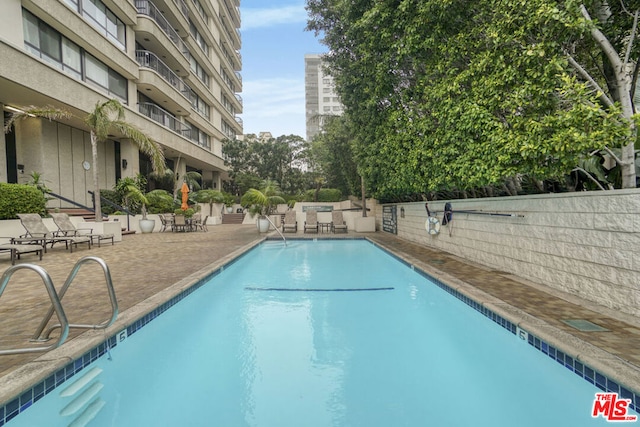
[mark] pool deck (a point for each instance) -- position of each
(149, 269)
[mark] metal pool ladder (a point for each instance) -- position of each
(56, 304)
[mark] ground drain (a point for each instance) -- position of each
(584, 325)
(436, 261)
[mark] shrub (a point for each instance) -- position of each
(160, 201)
(325, 195)
(188, 213)
(19, 198)
(113, 197)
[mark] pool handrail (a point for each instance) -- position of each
(55, 306)
(39, 336)
(276, 228)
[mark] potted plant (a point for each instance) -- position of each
(261, 203)
(229, 201)
(135, 194)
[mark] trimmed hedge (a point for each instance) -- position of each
(325, 195)
(20, 198)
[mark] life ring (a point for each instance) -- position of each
(432, 225)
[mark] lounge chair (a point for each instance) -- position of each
(16, 249)
(66, 228)
(337, 222)
(311, 224)
(290, 223)
(38, 233)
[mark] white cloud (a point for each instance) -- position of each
(261, 18)
(274, 105)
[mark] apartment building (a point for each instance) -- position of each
(321, 99)
(174, 64)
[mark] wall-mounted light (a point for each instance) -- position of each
(401, 212)
(21, 168)
(124, 163)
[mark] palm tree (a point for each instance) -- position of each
(262, 201)
(107, 116)
(110, 115)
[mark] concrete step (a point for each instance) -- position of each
(233, 218)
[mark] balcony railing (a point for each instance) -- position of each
(150, 60)
(239, 98)
(145, 7)
(183, 7)
(162, 116)
(238, 120)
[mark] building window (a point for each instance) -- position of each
(46, 43)
(196, 135)
(199, 71)
(101, 17)
(200, 106)
(200, 10)
(198, 38)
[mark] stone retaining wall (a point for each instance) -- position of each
(585, 243)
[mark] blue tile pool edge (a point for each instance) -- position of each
(46, 386)
(587, 373)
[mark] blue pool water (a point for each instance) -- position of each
(326, 333)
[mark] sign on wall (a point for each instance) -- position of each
(390, 219)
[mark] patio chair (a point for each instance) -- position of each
(16, 249)
(167, 222)
(337, 222)
(290, 224)
(66, 228)
(179, 223)
(311, 224)
(197, 223)
(38, 233)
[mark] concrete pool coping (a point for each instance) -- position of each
(614, 367)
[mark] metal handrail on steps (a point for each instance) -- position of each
(55, 306)
(39, 336)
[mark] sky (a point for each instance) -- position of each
(274, 42)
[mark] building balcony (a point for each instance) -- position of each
(162, 84)
(162, 116)
(148, 9)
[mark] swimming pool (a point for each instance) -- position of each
(326, 333)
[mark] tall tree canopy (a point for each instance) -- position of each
(458, 94)
(252, 160)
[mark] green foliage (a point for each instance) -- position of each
(253, 160)
(263, 201)
(19, 198)
(458, 95)
(160, 201)
(324, 195)
(112, 196)
(332, 154)
(187, 213)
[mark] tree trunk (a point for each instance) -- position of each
(364, 197)
(96, 185)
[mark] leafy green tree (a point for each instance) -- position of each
(252, 160)
(457, 94)
(333, 156)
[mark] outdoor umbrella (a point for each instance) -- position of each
(185, 196)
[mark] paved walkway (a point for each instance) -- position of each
(145, 266)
